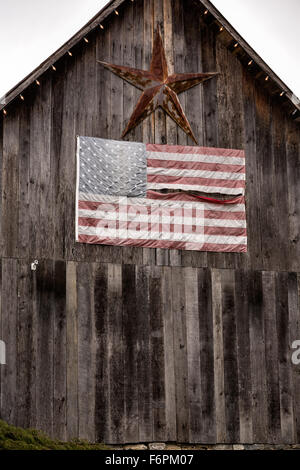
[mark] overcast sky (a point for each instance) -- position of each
(31, 30)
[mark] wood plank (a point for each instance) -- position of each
(294, 335)
(180, 354)
(218, 343)
(61, 84)
(44, 359)
(253, 208)
(231, 385)
(157, 355)
(71, 351)
(10, 187)
(24, 324)
(60, 352)
(102, 413)
(24, 180)
(168, 328)
(144, 365)
(271, 351)
(130, 333)
(41, 233)
(257, 355)
(9, 336)
(281, 229)
(86, 353)
(285, 373)
(293, 175)
(116, 356)
(243, 357)
(194, 372)
(207, 356)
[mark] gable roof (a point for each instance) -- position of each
(211, 15)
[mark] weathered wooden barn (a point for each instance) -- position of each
(124, 344)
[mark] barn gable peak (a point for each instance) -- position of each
(228, 35)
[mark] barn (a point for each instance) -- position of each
(134, 344)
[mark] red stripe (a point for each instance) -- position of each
(154, 227)
(181, 196)
(196, 181)
(195, 150)
(163, 244)
(192, 198)
(182, 165)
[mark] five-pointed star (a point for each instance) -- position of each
(159, 88)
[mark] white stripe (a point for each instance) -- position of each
(172, 236)
(195, 187)
(164, 219)
(195, 173)
(139, 201)
(195, 157)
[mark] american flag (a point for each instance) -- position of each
(160, 196)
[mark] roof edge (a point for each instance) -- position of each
(40, 69)
(251, 52)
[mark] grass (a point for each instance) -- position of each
(13, 438)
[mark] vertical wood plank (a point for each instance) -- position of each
(294, 334)
(219, 394)
(86, 352)
(257, 354)
(285, 375)
(10, 187)
(194, 374)
(272, 363)
(144, 364)
(243, 348)
(206, 356)
(116, 356)
(130, 334)
(44, 361)
(102, 413)
(157, 355)
(168, 328)
(72, 350)
(180, 354)
(230, 357)
(59, 352)
(9, 310)
(24, 325)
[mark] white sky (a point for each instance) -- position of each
(31, 30)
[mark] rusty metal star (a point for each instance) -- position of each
(159, 88)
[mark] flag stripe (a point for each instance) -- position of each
(182, 149)
(188, 165)
(183, 173)
(197, 158)
(171, 226)
(113, 232)
(162, 244)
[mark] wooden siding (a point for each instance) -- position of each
(131, 344)
(82, 98)
(124, 353)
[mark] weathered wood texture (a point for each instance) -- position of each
(81, 97)
(137, 345)
(145, 353)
